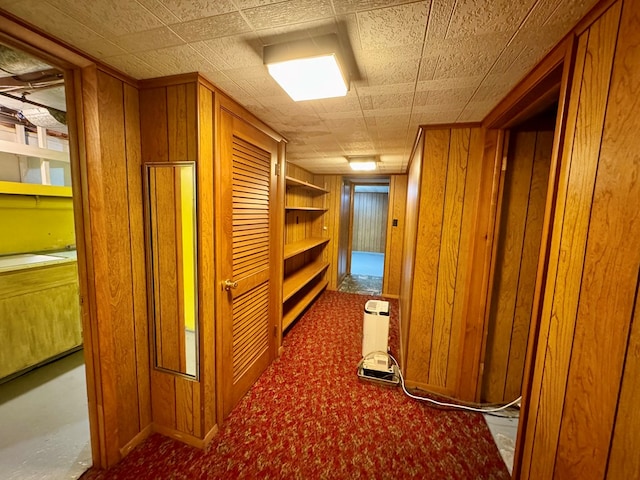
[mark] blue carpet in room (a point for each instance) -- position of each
(367, 263)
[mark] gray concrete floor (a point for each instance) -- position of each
(504, 431)
(44, 423)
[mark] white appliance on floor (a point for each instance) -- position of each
(376, 364)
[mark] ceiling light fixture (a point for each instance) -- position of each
(308, 69)
(363, 164)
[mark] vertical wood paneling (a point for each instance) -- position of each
(507, 269)
(136, 227)
(554, 434)
(439, 250)
(369, 221)
(453, 202)
(528, 265)
(523, 203)
(610, 273)
(624, 458)
(113, 155)
(409, 246)
(395, 235)
(154, 133)
(206, 264)
(427, 252)
(459, 322)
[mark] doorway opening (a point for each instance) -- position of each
(369, 205)
(44, 413)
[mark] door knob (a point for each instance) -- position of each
(229, 284)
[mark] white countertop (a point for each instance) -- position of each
(9, 263)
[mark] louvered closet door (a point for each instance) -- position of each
(248, 323)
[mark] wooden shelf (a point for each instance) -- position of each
(294, 182)
(296, 248)
(306, 209)
(294, 282)
(298, 308)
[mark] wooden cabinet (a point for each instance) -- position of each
(305, 255)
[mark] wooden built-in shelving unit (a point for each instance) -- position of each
(305, 256)
(295, 248)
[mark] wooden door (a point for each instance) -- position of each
(247, 215)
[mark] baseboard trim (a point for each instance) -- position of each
(137, 440)
(200, 443)
(426, 388)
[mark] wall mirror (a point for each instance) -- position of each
(170, 207)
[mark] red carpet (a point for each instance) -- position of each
(309, 417)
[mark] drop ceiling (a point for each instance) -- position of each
(412, 63)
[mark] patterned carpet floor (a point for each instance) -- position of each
(310, 417)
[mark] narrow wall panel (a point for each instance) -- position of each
(395, 235)
(427, 252)
(453, 200)
(113, 153)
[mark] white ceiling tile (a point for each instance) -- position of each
(392, 26)
(288, 12)
(398, 100)
(149, 40)
(179, 59)
(234, 51)
(133, 66)
(477, 17)
(412, 62)
(194, 9)
(211, 27)
(124, 16)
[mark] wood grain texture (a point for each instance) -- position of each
(528, 265)
(623, 459)
(409, 246)
(113, 158)
(577, 179)
(427, 253)
(461, 325)
(516, 263)
(479, 262)
(40, 313)
(206, 401)
(508, 257)
(445, 328)
(136, 226)
(611, 266)
(395, 235)
(370, 221)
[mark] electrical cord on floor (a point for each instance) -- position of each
(488, 410)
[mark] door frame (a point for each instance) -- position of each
(71, 63)
(550, 80)
(354, 181)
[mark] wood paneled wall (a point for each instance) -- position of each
(112, 188)
(442, 194)
(583, 418)
(177, 122)
(369, 221)
(395, 236)
(337, 222)
(518, 246)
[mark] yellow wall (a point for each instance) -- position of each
(35, 222)
(188, 254)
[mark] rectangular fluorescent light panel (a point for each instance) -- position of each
(360, 166)
(310, 78)
(308, 69)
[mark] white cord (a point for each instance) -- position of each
(450, 405)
